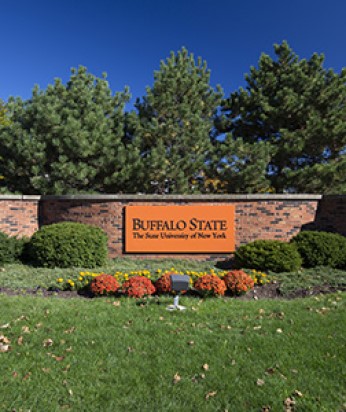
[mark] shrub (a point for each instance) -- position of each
(164, 283)
(321, 249)
(104, 285)
(238, 282)
(11, 248)
(210, 285)
(138, 287)
(69, 244)
(268, 255)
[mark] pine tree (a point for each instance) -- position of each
(67, 139)
(299, 109)
(174, 124)
(238, 167)
(3, 115)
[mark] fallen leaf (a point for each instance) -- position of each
(25, 329)
(4, 339)
(294, 371)
(289, 404)
(71, 330)
(270, 371)
(298, 393)
(20, 340)
(257, 327)
(4, 348)
(176, 378)
(15, 374)
(202, 375)
(70, 392)
(58, 358)
(233, 362)
(191, 342)
(47, 343)
(260, 382)
(116, 303)
(161, 318)
(261, 311)
(5, 326)
(38, 325)
(67, 368)
(69, 349)
(210, 394)
(27, 376)
(265, 408)
(46, 370)
(279, 330)
(130, 349)
(205, 367)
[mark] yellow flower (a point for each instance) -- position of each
(80, 278)
(60, 280)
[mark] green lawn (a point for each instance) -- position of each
(111, 357)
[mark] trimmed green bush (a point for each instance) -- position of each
(68, 244)
(321, 249)
(268, 255)
(11, 248)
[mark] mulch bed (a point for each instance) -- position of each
(268, 291)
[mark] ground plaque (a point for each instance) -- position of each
(179, 229)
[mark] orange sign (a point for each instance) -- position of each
(179, 229)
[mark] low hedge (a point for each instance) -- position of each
(68, 244)
(12, 249)
(321, 249)
(268, 255)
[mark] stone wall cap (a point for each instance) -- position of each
(163, 198)
(20, 197)
(172, 198)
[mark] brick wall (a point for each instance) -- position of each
(19, 215)
(256, 216)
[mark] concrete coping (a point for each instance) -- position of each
(163, 198)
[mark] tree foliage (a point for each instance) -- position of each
(3, 115)
(174, 124)
(67, 138)
(298, 108)
(284, 132)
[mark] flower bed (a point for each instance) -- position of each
(207, 283)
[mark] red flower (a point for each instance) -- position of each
(237, 282)
(164, 283)
(104, 284)
(138, 286)
(210, 284)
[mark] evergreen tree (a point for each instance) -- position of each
(3, 114)
(174, 124)
(299, 109)
(237, 167)
(67, 139)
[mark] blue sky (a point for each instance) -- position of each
(42, 40)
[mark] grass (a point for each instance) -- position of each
(111, 357)
(21, 276)
(309, 278)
